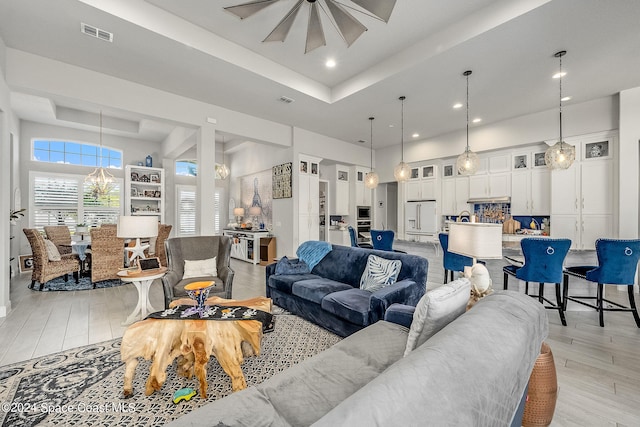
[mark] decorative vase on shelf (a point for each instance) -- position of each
(149, 161)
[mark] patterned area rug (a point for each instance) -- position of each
(58, 284)
(84, 386)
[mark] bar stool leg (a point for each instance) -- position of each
(505, 281)
(446, 276)
(565, 291)
(632, 304)
(560, 305)
(541, 293)
(599, 304)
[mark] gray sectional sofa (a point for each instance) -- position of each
(330, 295)
(473, 372)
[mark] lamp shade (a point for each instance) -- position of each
(238, 212)
(255, 211)
(130, 227)
(476, 240)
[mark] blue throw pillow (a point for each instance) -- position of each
(291, 266)
(380, 272)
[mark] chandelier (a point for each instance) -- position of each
(402, 170)
(100, 181)
(222, 170)
(467, 163)
(560, 155)
(371, 178)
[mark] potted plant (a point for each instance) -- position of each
(82, 228)
(15, 216)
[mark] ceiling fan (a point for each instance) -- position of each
(344, 22)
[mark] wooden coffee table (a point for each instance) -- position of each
(193, 341)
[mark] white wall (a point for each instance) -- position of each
(629, 160)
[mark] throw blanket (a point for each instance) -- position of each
(217, 312)
(313, 251)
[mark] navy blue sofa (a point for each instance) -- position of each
(330, 296)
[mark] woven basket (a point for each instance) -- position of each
(543, 391)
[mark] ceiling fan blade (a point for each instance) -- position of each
(281, 30)
(348, 26)
(315, 34)
(245, 10)
(380, 8)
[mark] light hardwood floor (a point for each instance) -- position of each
(598, 368)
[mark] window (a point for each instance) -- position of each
(186, 197)
(186, 167)
(75, 153)
(59, 199)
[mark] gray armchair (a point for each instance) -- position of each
(195, 248)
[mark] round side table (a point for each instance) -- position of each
(142, 281)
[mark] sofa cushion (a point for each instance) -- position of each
(436, 309)
(199, 268)
(52, 251)
(284, 282)
(291, 266)
(351, 305)
(315, 290)
(380, 272)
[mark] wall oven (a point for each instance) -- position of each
(363, 221)
(364, 213)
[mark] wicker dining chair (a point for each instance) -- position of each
(60, 236)
(163, 234)
(107, 253)
(44, 269)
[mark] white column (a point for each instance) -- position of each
(206, 181)
(628, 164)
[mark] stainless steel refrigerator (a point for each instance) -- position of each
(421, 217)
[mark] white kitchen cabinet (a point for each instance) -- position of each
(492, 185)
(530, 192)
(308, 199)
(455, 194)
(500, 163)
(424, 186)
(339, 178)
(339, 237)
(583, 197)
(362, 193)
(462, 194)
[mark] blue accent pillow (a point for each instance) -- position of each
(291, 266)
(380, 272)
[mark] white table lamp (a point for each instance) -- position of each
(239, 213)
(476, 240)
(255, 212)
(137, 227)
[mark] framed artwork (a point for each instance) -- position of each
(596, 150)
(26, 263)
(447, 170)
(303, 166)
(157, 194)
(134, 192)
(149, 193)
(538, 160)
(135, 176)
(281, 181)
(520, 161)
(154, 177)
(314, 169)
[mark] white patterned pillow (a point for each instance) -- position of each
(380, 272)
(52, 251)
(200, 268)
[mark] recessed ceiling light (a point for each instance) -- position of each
(415, 135)
(391, 126)
(330, 63)
(558, 75)
(565, 98)
(457, 105)
(477, 120)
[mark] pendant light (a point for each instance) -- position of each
(402, 170)
(467, 163)
(560, 155)
(100, 181)
(223, 170)
(371, 178)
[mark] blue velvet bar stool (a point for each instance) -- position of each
(543, 259)
(617, 265)
(452, 262)
(382, 240)
(354, 239)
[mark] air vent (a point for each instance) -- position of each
(96, 32)
(286, 99)
(361, 141)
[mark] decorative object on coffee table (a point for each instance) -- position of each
(198, 291)
(543, 391)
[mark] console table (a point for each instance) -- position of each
(254, 246)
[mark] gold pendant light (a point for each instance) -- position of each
(100, 181)
(371, 178)
(467, 163)
(402, 170)
(560, 155)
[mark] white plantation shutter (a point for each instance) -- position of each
(217, 206)
(186, 195)
(64, 200)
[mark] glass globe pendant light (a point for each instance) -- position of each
(402, 170)
(560, 155)
(222, 170)
(467, 163)
(371, 178)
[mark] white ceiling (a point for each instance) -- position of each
(196, 49)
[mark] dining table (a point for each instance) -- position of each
(80, 247)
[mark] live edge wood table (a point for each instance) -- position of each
(192, 342)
